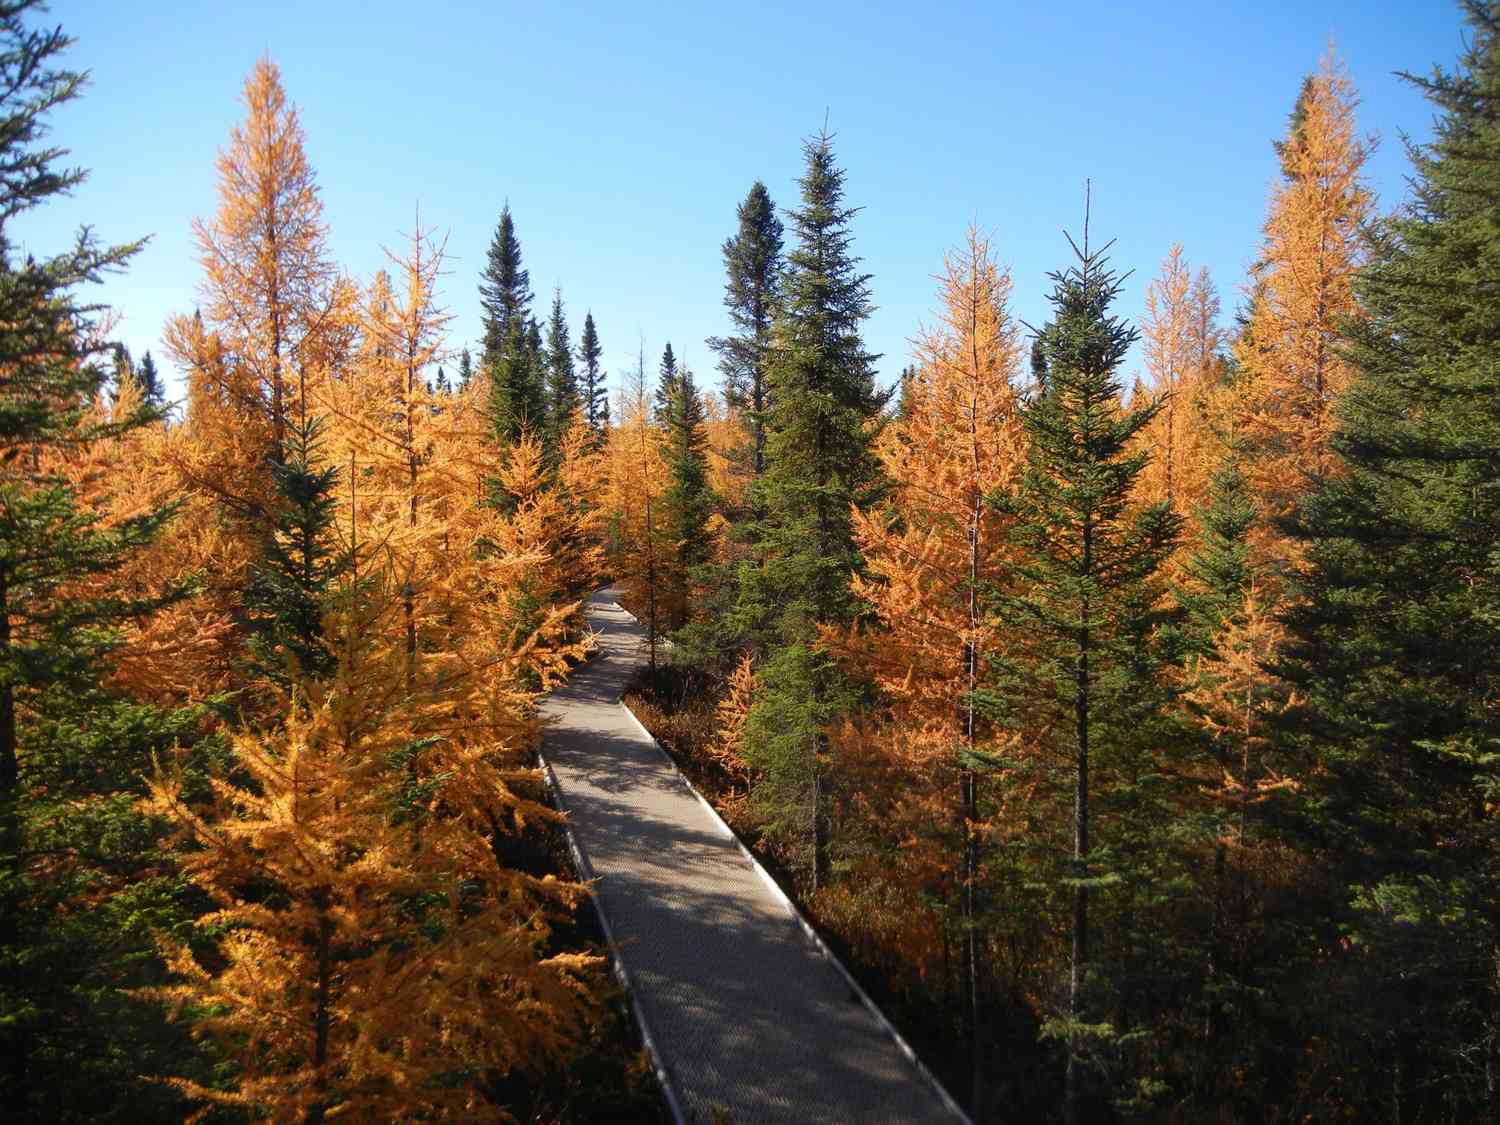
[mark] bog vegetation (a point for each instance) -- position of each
(1140, 738)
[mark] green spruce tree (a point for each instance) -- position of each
(518, 390)
(1393, 645)
(1087, 604)
(562, 382)
(753, 263)
(82, 882)
(290, 586)
(819, 465)
(153, 391)
(666, 380)
(504, 289)
(689, 500)
(595, 389)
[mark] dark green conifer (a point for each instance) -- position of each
(153, 392)
(291, 585)
(82, 883)
(535, 349)
(504, 289)
(689, 500)
(595, 390)
(562, 383)
(1088, 603)
(1394, 628)
(666, 380)
(752, 261)
(518, 392)
(818, 466)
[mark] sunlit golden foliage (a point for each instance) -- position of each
(1181, 340)
(729, 446)
(267, 271)
(927, 552)
(182, 650)
(730, 716)
(1291, 371)
(637, 543)
(959, 441)
(378, 960)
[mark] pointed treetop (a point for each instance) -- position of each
(595, 390)
(504, 285)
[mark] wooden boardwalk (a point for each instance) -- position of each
(748, 1018)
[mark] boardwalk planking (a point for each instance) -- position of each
(749, 1019)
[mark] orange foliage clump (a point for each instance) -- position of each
(959, 440)
(729, 720)
(927, 553)
(397, 965)
(1291, 372)
(1181, 341)
(638, 546)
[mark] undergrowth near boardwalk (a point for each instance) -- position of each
(874, 925)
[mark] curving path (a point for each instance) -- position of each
(749, 1020)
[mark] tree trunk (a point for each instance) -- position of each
(10, 770)
(819, 827)
(324, 1006)
(970, 782)
(1073, 1097)
(972, 943)
(10, 836)
(650, 544)
(408, 593)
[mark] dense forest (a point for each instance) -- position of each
(1135, 740)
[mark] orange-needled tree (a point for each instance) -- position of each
(929, 552)
(1290, 367)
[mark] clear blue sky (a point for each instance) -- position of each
(624, 135)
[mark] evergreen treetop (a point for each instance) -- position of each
(667, 381)
(1089, 601)
(148, 378)
(819, 466)
(562, 382)
(595, 391)
(822, 400)
(504, 287)
(753, 263)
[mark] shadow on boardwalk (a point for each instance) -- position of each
(751, 1022)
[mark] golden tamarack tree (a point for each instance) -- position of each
(639, 549)
(378, 799)
(378, 962)
(929, 553)
(1181, 340)
(272, 317)
(268, 275)
(1291, 371)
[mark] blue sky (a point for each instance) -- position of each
(623, 136)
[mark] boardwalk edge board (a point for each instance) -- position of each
(807, 928)
(587, 873)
